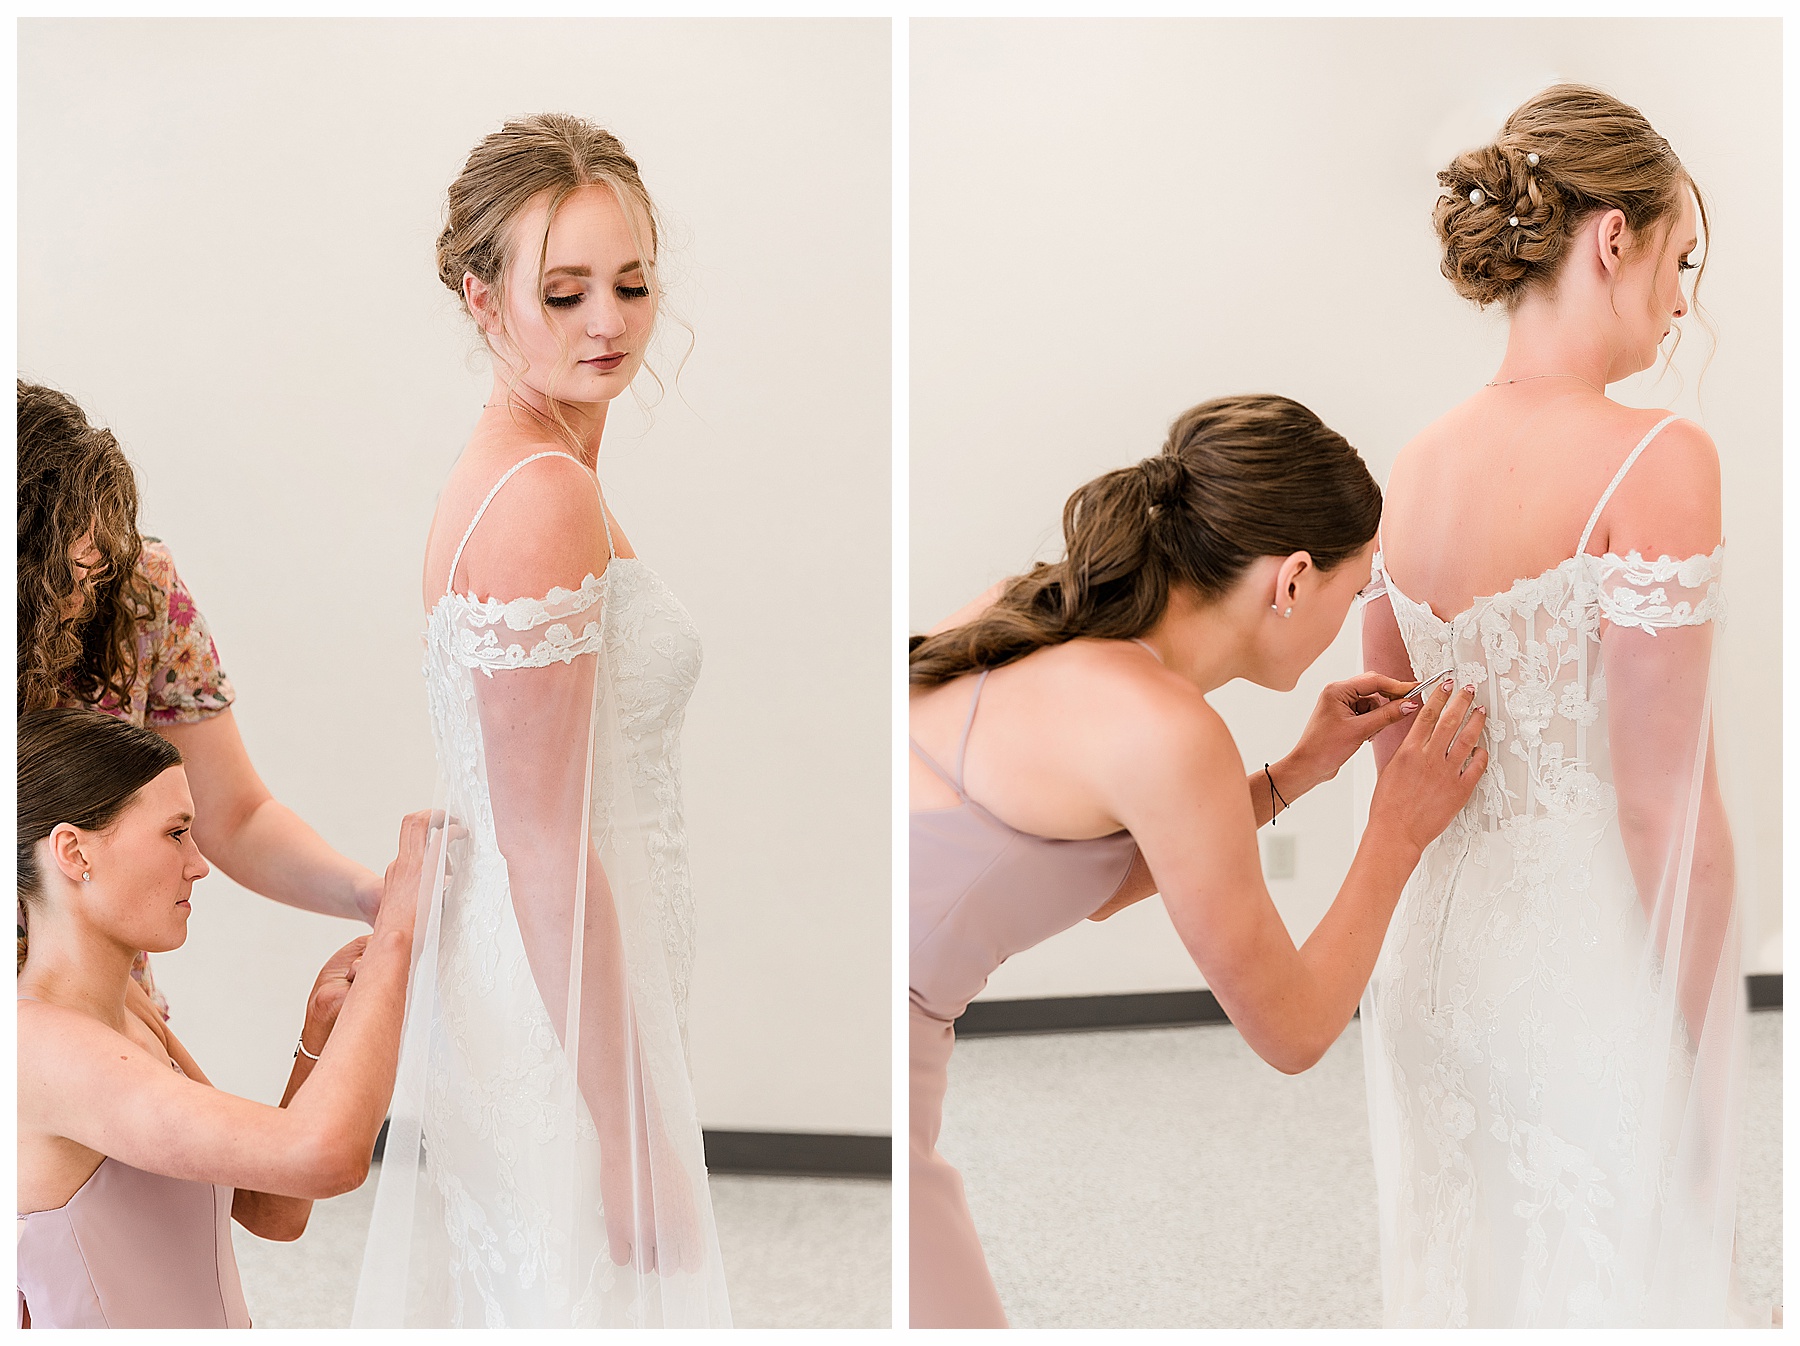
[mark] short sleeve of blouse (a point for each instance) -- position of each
(184, 682)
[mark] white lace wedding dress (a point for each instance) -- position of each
(544, 1164)
(1552, 1030)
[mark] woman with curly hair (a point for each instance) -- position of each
(105, 621)
(1552, 1032)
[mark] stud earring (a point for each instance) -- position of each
(86, 877)
(1275, 608)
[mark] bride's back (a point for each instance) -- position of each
(1500, 488)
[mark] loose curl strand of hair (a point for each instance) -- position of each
(75, 482)
(1238, 478)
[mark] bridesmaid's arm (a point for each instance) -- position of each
(271, 1215)
(80, 1079)
(1169, 771)
(255, 838)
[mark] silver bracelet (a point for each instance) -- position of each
(300, 1048)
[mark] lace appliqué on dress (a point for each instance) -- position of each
(1507, 1013)
(504, 1089)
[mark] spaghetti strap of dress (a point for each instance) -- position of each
(469, 532)
(1618, 477)
(962, 746)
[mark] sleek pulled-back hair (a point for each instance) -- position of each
(75, 481)
(81, 767)
(1593, 153)
(1238, 478)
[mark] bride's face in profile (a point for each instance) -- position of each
(142, 868)
(577, 334)
(1651, 295)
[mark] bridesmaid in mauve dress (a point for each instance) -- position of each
(131, 1166)
(1102, 775)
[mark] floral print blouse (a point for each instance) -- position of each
(178, 681)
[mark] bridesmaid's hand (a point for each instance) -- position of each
(1433, 773)
(329, 990)
(422, 837)
(1348, 715)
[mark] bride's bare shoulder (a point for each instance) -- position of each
(542, 529)
(1669, 503)
(1431, 449)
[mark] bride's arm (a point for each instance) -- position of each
(1383, 651)
(1173, 776)
(545, 531)
(1658, 683)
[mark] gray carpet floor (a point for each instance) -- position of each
(1170, 1178)
(799, 1252)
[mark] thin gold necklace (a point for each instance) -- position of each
(1501, 383)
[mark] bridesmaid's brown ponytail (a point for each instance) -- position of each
(1237, 478)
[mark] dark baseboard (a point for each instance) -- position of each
(1166, 1009)
(799, 1154)
(785, 1154)
(1087, 1013)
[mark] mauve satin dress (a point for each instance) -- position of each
(981, 892)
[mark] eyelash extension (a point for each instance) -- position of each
(179, 833)
(1685, 265)
(570, 300)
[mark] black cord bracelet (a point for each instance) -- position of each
(1274, 794)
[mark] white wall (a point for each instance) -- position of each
(225, 235)
(1112, 220)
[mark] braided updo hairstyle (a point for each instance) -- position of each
(1563, 155)
(1237, 478)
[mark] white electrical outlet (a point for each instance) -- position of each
(1278, 857)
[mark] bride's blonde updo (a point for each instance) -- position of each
(1510, 207)
(552, 153)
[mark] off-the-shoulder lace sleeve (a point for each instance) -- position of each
(179, 677)
(1660, 594)
(528, 632)
(1377, 585)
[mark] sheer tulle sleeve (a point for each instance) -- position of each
(1659, 623)
(544, 1165)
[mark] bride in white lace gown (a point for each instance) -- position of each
(544, 1164)
(1552, 1031)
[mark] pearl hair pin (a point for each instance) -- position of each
(1532, 159)
(1476, 196)
(1513, 220)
